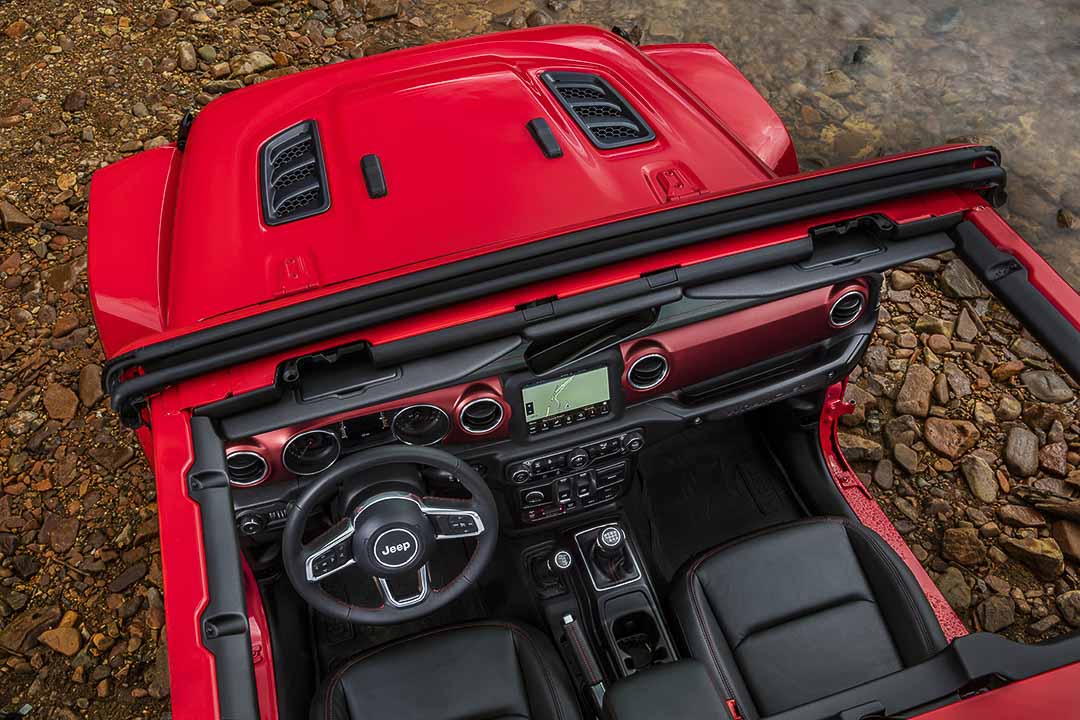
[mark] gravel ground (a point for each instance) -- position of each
(983, 489)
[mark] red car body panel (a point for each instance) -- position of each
(468, 182)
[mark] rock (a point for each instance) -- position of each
(906, 508)
(16, 29)
(381, 9)
(19, 635)
(1069, 605)
(958, 381)
(1040, 627)
(933, 325)
(862, 401)
(908, 341)
(90, 385)
(1020, 516)
(64, 640)
(188, 60)
(1067, 535)
(158, 675)
(128, 577)
(1042, 555)
(12, 218)
(1067, 219)
(884, 474)
(963, 545)
(60, 402)
(914, 396)
(165, 17)
(980, 478)
(1022, 452)
(1027, 348)
(983, 415)
(1042, 417)
(959, 282)
(74, 101)
(207, 53)
(939, 344)
(1008, 408)
(996, 613)
(951, 438)
(59, 533)
(908, 458)
(253, 62)
(903, 430)
(539, 18)
(1007, 370)
(1047, 386)
(954, 588)
(900, 280)
(1052, 458)
(857, 448)
(965, 328)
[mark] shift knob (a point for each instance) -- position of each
(610, 542)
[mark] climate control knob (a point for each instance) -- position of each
(253, 523)
(633, 441)
(577, 458)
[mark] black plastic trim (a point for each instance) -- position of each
(541, 133)
(170, 361)
(223, 623)
(1007, 278)
(374, 179)
(616, 114)
(271, 205)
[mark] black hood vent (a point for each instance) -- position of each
(293, 175)
(602, 113)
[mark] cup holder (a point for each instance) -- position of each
(638, 638)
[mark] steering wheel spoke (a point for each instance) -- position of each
(423, 580)
(453, 519)
(329, 553)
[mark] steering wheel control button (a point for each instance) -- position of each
(331, 560)
(454, 526)
(396, 548)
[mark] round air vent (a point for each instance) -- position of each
(647, 371)
(246, 467)
(420, 425)
(311, 452)
(481, 416)
(847, 309)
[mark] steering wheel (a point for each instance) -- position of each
(390, 534)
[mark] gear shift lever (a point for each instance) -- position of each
(609, 553)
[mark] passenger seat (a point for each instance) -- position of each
(794, 614)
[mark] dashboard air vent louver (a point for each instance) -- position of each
(647, 371)
(245, 467)
(481, 416)
(601, 112)
(293, 176)
(847, 309)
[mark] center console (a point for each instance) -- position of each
(573, 478)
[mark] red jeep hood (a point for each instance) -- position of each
(464, 175)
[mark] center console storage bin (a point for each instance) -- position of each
(672, 690)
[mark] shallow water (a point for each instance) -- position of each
(905, 76)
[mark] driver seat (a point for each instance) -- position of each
(479, 671)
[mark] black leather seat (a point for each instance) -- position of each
(796, 613)
(479, 671)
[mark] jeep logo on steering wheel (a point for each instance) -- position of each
(396, 547)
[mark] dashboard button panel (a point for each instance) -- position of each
(575, 478)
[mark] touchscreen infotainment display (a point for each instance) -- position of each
(567, 400)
